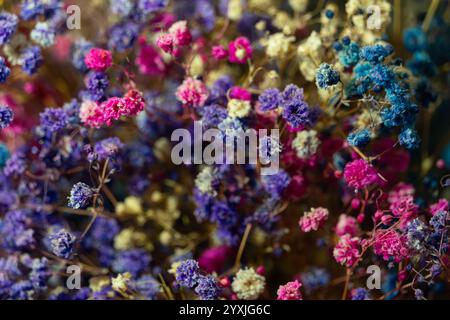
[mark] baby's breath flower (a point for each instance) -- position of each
(247, 284)
(238, 108)
(306, 143)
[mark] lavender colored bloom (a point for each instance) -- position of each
(97, 83)
(275, 184)
(79, 51)
(31, 59)
(22, 290)
(147, 286)
(207, 288)
(30, 9)
(15, 165)
(6, 116)
(439, 220)
(360, 294)
(134, 261)
(213, 115)
(297, 114)
(5, 285)
(150, 6)
(315, 279)
(223, 214)
(4, 70)
(121, 7)
(40, 273)
(43, 34)
(270, 99)
(80, 196)
(53, 120)
(123, 35)
(8, 26)
(14, 231)
(188, 273)
(62, 243)
(108, 148)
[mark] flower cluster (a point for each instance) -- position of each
(224, 149)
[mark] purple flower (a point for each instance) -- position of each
(53, 120)
(188, 273)
(62, 243)
(4, 70)
(6, 116)
(270, 99)
(149, 6)
(207, 288)
(134, 261)
(31, 59)
(96, 83)
(80, 196)
(275, 184)
(8, 25)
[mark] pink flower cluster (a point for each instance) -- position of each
(391, 245)
(98, 59)
(346, 225)
(313, 219)
(360, 174)
(96, 115)
(149, 60)
(240, 94)
(240, 50)
(346, 251)
(290, 291)
(402, 204)
(192, 92)
(213, 259)
(178, 36)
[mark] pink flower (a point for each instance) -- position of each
(166, 42)
(181, 34)
(290, 291)
(441, 205)
(134, 102)
(240, 50)
(391, 245)
(213, 259)
(314, 219)
(113, 109)
(359, 174)
(92, 114)
(346, 225)
(346, 251)
(402, 203)
(240, 94)
(192, 92)
(219, 52)
(149, 61)
(98, 59)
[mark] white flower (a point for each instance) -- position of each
(238, 108)
(247, 284)
(306, 143)
(204, 181)
(277, 45)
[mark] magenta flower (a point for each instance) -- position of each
(346, 225)
(290, 291)
(181, 34)
(166, 42)
(192, 92)
(391, 245)
(314, 219)
(360, 174)
(240, 94)
(219, 52)
(98, 59)
(346, 251)
(240, 50)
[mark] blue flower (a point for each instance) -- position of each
(62, 243)
(40, 273)
(147, 286)
(360, 294)
(415, 39)
(149, 6)
(188, 273)
(207, 288)
(80, 196)
(79, 50)
(30, 9)
(421, 64)
(376, 53)
(8, 26)
(53, 120)
(409, 138)
(6, 116)
(4, 70)
(360, 138)
(270, 99)
(31, 59)
(123, 35)
(96, 83)
(43, 34)
(4, 154)
(349, 55)
(326, 76)
(134, 261)
(15, 232)
(275, 184)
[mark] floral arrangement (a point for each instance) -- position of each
(92, 205)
